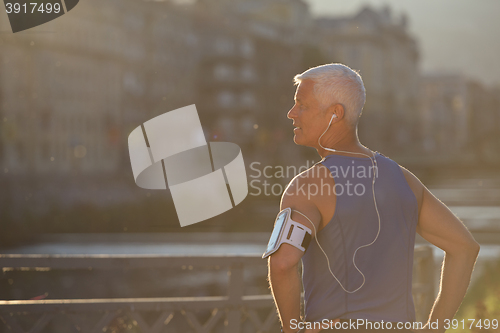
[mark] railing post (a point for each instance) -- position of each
(235, 293)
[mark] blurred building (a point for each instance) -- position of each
(103, 72)
(445, 113)
(61, 97)
(459, 118)
(291, 18)
(386, 55)
(70, 97)
(73, 89)
(249, 58)
(227, 80)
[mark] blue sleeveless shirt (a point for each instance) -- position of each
(387, 263)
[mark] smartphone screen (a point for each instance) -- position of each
(276, 232)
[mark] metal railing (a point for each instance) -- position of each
(233, 313)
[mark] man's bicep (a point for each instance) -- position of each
(299, 202)
(288, 255)
(439, 226)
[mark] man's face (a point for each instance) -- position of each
(308, 117)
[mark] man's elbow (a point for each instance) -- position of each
(469, 249)
(474, 248)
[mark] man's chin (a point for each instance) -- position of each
(298, 141)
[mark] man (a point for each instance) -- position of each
(358, 265)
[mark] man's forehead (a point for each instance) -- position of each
(304, 88)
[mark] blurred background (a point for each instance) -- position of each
(72, 90)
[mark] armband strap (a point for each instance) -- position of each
(288, 231)
(306, 241)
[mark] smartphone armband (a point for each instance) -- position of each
(288, 231)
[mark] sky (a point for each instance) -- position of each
(458, 36)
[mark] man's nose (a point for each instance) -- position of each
(291, 113)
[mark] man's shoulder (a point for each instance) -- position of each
(410, 177)
(316, 175)
(414, 183)
(412, 180)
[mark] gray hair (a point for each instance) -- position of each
(337, 83)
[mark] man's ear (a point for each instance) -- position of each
(337, 109)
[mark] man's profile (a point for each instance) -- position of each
(364, 213)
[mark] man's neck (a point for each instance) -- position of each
(348, 142)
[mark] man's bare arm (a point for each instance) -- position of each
(283, 264)
(439, 226)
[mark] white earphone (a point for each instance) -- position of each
(374, 165)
